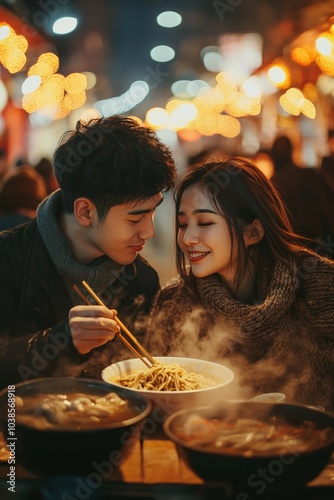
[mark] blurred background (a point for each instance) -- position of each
(211, 77)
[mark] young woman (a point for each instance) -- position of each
(249, 294)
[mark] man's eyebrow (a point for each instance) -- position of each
(146, 210)
(200, 211)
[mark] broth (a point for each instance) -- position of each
(251, 437)
(73, 411)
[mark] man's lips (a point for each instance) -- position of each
(197, 256)
(137, 248)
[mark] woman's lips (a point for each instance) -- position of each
(197, 256)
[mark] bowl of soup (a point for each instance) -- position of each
(257, 446)
(70, 425)
(173, 383)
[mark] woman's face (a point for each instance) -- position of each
(204, 237)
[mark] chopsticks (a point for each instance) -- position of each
(145, 353)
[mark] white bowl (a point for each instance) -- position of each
(170, 401)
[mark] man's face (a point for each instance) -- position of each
(124, 231)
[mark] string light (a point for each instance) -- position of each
(57, 95)
(12, 49)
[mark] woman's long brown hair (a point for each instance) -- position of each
(241, 193)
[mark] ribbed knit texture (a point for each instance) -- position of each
(261, 318)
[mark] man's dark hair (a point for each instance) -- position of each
(112, 161)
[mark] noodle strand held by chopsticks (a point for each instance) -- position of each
(165, 377)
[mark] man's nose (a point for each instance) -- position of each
(148, 231)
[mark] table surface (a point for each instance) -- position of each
(155, 471)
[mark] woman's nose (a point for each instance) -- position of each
(190, 236)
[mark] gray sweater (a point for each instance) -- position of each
(283, 341)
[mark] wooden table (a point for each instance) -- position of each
(155, 471)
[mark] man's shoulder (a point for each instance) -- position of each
(18, 236)
(16, 249)
(174, 290)
(145, 269)
(144, 278)
(142, 263)
(22, 244)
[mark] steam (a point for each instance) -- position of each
(284, 364)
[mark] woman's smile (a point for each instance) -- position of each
(196, 256)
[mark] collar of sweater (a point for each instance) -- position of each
(99, 274)
(258, 317)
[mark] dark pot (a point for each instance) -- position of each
(258, 473)
(71, 451)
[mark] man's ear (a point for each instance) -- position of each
(253, 233)
(83, 211)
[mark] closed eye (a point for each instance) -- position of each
(202, 224)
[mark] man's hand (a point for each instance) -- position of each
(92, 326)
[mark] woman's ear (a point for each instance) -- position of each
(83, 211)
(253, 233)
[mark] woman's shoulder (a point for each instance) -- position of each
(315, 277)
(309, 262)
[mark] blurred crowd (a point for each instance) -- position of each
(22, 188)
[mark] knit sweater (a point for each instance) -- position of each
(283, 341)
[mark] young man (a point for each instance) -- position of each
(111, 174)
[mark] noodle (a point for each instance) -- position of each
(165, 377)
(251, 437)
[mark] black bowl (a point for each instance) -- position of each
(256, 472)
(66, 450)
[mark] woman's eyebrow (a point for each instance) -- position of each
(199, 211)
